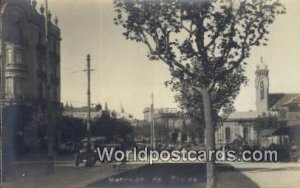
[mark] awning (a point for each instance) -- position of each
(282, 131)
(275, 132)
(267, 132)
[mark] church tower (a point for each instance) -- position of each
(262, 87)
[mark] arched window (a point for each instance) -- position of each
(9, 86)
(18, 56)
(18, 86)
(9, 56)
(227, 134)
(262, 90)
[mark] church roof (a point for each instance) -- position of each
(277, 100)
(267, 132)
(295, 100)
(243, 115)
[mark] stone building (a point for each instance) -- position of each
(30, 72)
(169, 117)
(285, 106)
(82, 112)
(173, 126)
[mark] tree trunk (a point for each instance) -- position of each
(210, 139)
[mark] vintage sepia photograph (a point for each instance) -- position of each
(150, 93)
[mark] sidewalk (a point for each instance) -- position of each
(271, 175)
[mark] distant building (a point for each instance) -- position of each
(96, 112)
(158, 113)
(286, 106)
(28, 81)
(122, 114)
(174, 120)
(81, 112)
(239, 124)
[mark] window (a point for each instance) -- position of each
(9, 56)
(9, 86)
(228, 134)
(18, 86)
(246, 134)
(262, 90)
(18, 56)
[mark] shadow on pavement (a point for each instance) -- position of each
(174, 176)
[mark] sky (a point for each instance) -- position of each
(124, 76)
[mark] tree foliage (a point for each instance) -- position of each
(111, 128)
(142, 130)
(194, 131)
(205, 43)
(222, 98)
(71, 129)
(213, 37)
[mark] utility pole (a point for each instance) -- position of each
(49, 109)
(89, 70)
(152, 125)
(1, 102)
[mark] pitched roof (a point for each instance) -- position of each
(284, 130)
(295, 100)
(277, 100)
(267, 132)
(243, 115)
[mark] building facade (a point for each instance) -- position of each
(169, 117)
(82, 112)
(172, 126)
(27, 76)
(284, 106)
(30, 66)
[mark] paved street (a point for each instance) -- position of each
(31, 174)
